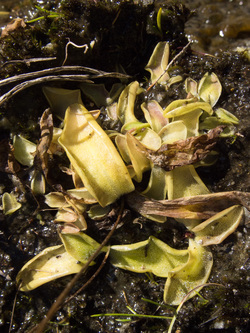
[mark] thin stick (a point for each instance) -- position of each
(90, 279)
(169, 65)
(57, 304)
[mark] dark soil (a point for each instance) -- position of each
(125, 35)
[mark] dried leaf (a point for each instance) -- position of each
(197, 207)
(12, 26)
(8, 162)
(183, 152)
(194, 273)
(151, 255)
(41, 157)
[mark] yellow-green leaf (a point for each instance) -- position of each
(192, 274)
(218, 227)
(24, 150)
(158, 62)
(209, 89)
(94, 157)
(52, 263)
(10, 203)
(79, 245)
(152, 256)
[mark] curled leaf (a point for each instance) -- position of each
(218, 227)
(153, 114)
(10, 203)
(209, 89)
(94, 157)
(126, 102)
(173, 132)
(158, 62)
(52, 263)
(193, 273)
(151, 255)
(24, 150)
(139, 161)
(156, 189)
(181, 107)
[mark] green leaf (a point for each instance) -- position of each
(139, 161)
(60, 99)
(156, 189)
(173, 132)
(151, 255)
(209, 89)
(126, 102)
(226, 117)
(103, 174)
(10, 203)
(192, 274)
(158, 62)
(24, 150)
(153, 114)
(191, 121)
(218, 227)
(52, 263)
(185, 107)
(79, 245)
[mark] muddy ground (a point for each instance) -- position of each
(125, 34)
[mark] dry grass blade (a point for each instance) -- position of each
(49, 78)
(198, 207)
(54, 70)
(184, 300)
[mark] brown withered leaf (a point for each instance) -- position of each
(197, 207)
(8, 162)
(41, 157)
(13, 25)
(183, 152)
